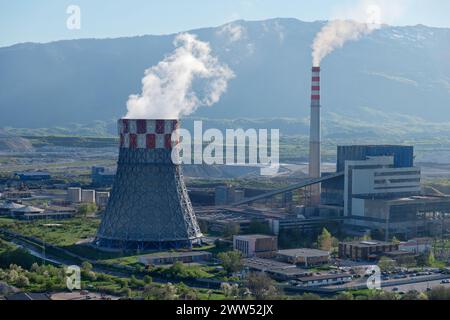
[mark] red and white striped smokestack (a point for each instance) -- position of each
(314, 135)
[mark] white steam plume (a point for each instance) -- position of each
(167, 88)
(337, 32)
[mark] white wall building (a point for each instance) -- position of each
(374, 178)
(88, 196)
(74, 195)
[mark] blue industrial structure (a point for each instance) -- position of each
(33, 176)
(403, 155)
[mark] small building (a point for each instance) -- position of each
(304, 257)
(171, 257)
(365, 250)
(417, 245)
(101, 198)
(34, 213)
(88, 196)
(227, 195)
(33, 176)
(74, 195)
(102, 176)
(400, 256)
(17, 195)
(324, 280)
(276, 269)
(25, 210)
(256, 245)
(46, 215)
(5, 208)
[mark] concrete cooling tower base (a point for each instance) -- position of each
(149, 207)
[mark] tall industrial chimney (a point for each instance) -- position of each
(314, 135)
(149, 207)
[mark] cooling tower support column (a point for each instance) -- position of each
(314, 136)
(149, 207)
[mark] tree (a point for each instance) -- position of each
(439, 293)
(127, 293)
(86, 266)
(231, 229)
(22, 281)
(148, 279)
(386, 264)
(231, 261)
(325, 240)
(203, 225)
(344, 296)
(395, 240)
(414, 295)
(430, 258)
(258, 227)
(87, 208)
(230, 291)
(165, 292)
(186, 293)
(309, 296)
(261, 286)
(426, 259)
(382, 295)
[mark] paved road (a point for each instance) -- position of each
(419, 286)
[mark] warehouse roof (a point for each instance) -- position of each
(324, 277)
(303, 252)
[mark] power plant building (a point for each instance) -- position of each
(380, 191)
(74, 195)
(88, 196)
(256, 245)
(149, 207)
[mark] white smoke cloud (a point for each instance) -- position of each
(335, 34)
(167, 88)
(353, 23)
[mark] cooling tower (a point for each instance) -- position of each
(149, 207)
(314, 135)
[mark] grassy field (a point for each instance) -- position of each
(68, 233)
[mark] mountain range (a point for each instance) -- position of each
(396, 74)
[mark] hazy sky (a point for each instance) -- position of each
(45, 20)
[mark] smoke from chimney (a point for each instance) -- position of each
(167, 88)
(338, 31)
(335, 34)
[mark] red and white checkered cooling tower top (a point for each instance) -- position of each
(146, 134)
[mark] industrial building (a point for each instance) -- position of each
(74, 195)
(101, 198)
(7, 207)
(255, 245)
(87, 196)
(225, 195)
(33, 176)
(380, 191)
(324, 280)
(276, 269)
(304, 257)
(365, 250)
(149, 205)
(417, 245)
(102, 177)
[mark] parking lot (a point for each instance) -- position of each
(418, 286)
